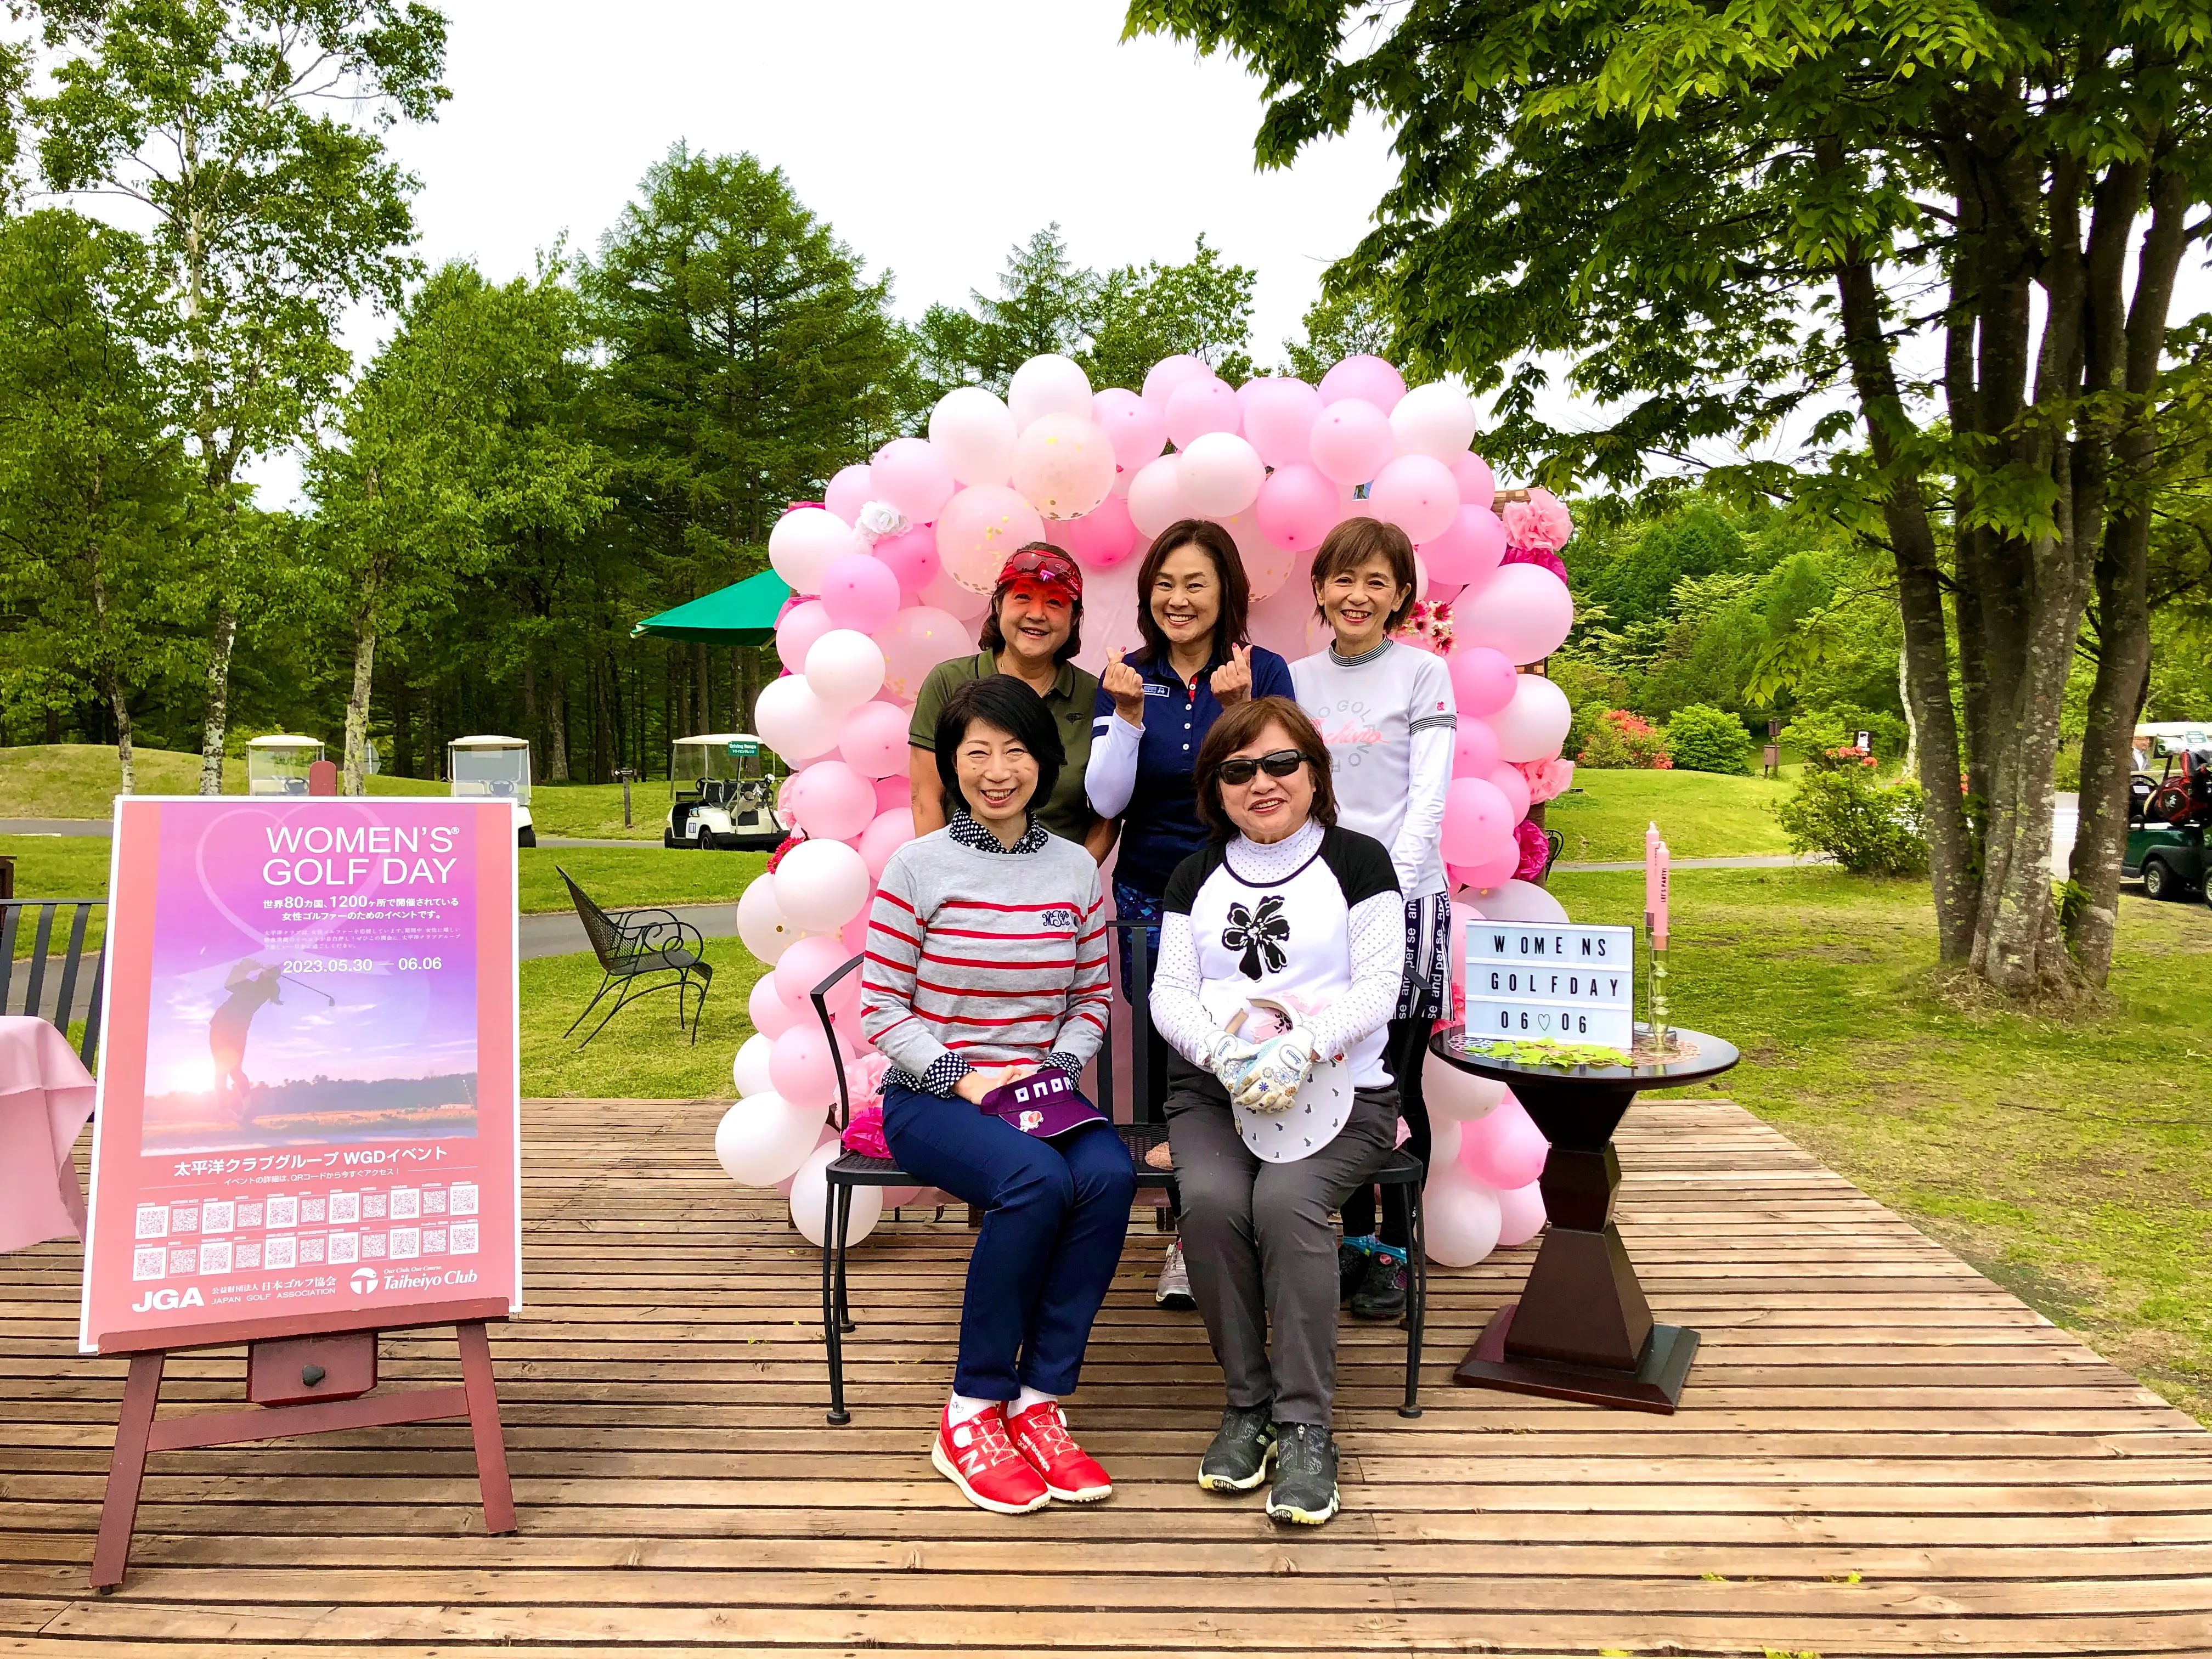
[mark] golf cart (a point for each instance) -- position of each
(277, 764)
(2168, 810)
(712, 802)
(494, 766)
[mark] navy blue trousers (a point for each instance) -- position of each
(1055, 1215)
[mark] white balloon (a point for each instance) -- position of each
(763, 1138)
(1521, 1213)
(1048, 384)
(1218, 474)
(1458, 1216)
(1522, 900)
(974, 433)
(1535, 724)
(766, 931)
(1435, 420)
(1455, 1096)
(748, 1070)
(821, 884)
(1444, 1140)
(810, 1189)
(844, 669)
(1156, 497)
(793, 722)
(805, 542)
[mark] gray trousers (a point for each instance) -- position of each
(1258, 1243)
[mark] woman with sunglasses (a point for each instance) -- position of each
(1032, 632)
(1279, 954)
(1154, 709)
(1386, 713)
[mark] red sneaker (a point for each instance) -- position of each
(1070, 1474)
(977, 1457)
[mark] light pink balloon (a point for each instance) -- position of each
(853, 489)
(806, 965)
(1298, 506)
(978, 528)
(918, 638)
(1280, 413)
(1443, 593)
(853, 935)
(1197, 407)
(1417, 493)
(1509, 782)
(893, 793)
(872, 742)
(1351, 441)
(1477, 487)
(1155, 499)
(1522, 610)
(911, 557)
(1491, 874)
(802, 625)
(1482, 680)
(1367, 377)
(1478, 821)
(1220, 474)
(1165, 376)
(885, 836)
(1503, 1149)
(1136, 431)
(1520, 1211)
(1101, 537)
(914, 476)
(800, 1067)
(771, 1015)
(860, 593)
(1475, 747)
(1063, 465)
(1535, 724)
(1467, 549)
(833, 802)
(973, 433)
(943, 593)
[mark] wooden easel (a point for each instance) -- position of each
(304, 1376)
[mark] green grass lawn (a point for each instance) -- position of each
(1701, 814)
(79, 780)
(594, 811)
(2069, 1160)
(640, 1054)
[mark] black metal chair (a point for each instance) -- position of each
(641, 951)
(48, 994)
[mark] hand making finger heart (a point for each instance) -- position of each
(1232, 681)
(1126, 687)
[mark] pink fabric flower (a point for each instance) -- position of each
(1535, 851)
(1547, 779)
(864, 1133)
(1541, 522)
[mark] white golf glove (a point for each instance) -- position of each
(1276, 1072)
(1227, 1057)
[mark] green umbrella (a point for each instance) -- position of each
(743, 613)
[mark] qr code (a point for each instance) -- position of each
(434, 1241)
(464, 1201)
(311, 1249)
(249, 1215)
(372, 1205)
(345, 1207)
(219, 1215)
(185, 1218)
(249, 1254)
(215, 1257)
(183, 1259)
(462, 1240)
(282, 1252)
(406, 1243)
(345, 1246)
(406, 1203)
(372, 1247)
(149, 1262)
(311, 1209)
(153, 1220)
(434, 1202)
(284, 1212)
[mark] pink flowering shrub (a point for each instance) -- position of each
(1621, 740)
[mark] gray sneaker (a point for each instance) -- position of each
(1174, 1290)
(1238, 1458)
(1304, 1493)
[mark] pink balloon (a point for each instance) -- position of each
(804, 964)
(771, 1015)
(1490, 874)
(911, 557)
(1475, 747)
(918, 638)
(1163, 379)
(1367, 377)
(1503, 1149)
(1219, 474)
(1297, 507)
(1509, 783)
(1520, 1211)
(853, 935)
(1063, 465)
(978, 528)
(893, 793)
(800, 1067)
(1155, 499)
(1522, 610)
(1477, 487)
(1467, 549)
(853, 489)
(1197, 407)
(1443, 593)
(872, 742)
(890, 831)
(1478, 821)
(912, 474)
(802, 625)
(1351, 441)
(831, 801)
(1280, 413)
(1102, 536)
(1482, 680)
(1136, 431)
(943, 593)
(1417, 493)
(860, 593)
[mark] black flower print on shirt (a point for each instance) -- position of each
(1261, 933)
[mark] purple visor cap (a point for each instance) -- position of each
(1045, 1104)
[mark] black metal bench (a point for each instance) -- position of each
(641, 951)
(43, 985)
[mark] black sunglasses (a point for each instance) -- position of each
(1240, 770)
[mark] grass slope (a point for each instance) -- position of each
(640, 1054)
(79, 780)
(1702, 815)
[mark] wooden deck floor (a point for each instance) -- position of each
(1879, 1452)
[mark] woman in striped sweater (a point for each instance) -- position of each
(986, 966)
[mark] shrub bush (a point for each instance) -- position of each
(1818, 731)
(1704, 738)
(1870, 829)
(1619, 739)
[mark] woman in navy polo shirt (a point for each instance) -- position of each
(1154, 709)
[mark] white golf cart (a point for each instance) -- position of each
(277, 764)
(494, 766)
(712, 804)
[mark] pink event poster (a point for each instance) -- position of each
(309, 1091)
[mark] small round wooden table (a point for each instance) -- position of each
(1582, 1330)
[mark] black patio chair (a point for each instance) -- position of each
(50, 984)
(641, 951)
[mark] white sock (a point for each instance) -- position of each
(1029, 1397)
(962, 1408)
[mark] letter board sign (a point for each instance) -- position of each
(1550, 982)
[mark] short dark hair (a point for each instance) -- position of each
(992, 637)
(1002, 701)
(1244, 724)
(1354, 541)
(1209, 539)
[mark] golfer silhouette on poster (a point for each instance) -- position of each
(250, 985)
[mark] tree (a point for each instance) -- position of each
(250, 135)
(1727, 221)
(1046, 303)
(1202, 307)
(1337, 326)
(91, 487)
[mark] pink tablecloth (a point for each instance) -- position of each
(45, 1096)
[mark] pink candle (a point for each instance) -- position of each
(1650, 876)
(1659, 901)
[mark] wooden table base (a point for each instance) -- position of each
(1655, 1384)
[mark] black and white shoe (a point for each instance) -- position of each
(1304, 1492)
(1382, 1292)
(1238, 1458)
(1174, 1291)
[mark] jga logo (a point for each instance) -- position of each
(364, 1281)
(168, 1301)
